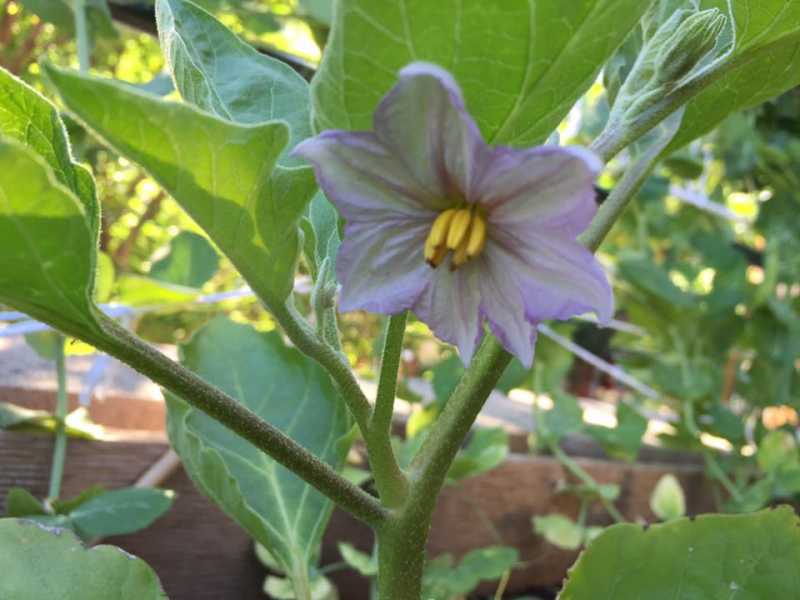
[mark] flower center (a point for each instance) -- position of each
(461, 231)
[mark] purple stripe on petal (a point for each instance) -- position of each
(559, 278)
(449, 306)
(548, 185)
(381, 266)
(424, 120)
(362, 178)
(503, 306)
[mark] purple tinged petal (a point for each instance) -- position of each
(449, 305)
(423, 120)
(381, 265)
(503, 306)
(558, 277)
(362, 178)
(548, 185)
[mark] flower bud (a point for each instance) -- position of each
(682, 51)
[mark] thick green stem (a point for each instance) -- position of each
(120, 343)
(60, 446)
(401, 554)
(389, 478)
(82, 35)
(402, 537)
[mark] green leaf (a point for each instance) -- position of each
(48, 252)
(777, 449)
(21, 503)
(218, 72)
(564, 418)
(713, 557)
(282, 512)
(319, 10)
(18, 418)
(321, 227)
(559, 530)
(282, 588)
(42, 562)
(366, 564)
(441, 580)
(446, 375)
(651, 278)
(763, 63)
(61, 14)
(623, 441)
(66, 506)
(486, 449)
(514, 375)
(667, 500)
(136, 290)
(120, 512)
(220, 172)
(537, 58)
(191, 261)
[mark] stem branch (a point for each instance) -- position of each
(60, 446)
(389, 478)
(120, 343)
(82, 35)
(306, 340)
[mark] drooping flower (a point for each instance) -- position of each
(457, 231)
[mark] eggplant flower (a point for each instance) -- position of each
(459, 232)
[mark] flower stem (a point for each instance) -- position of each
(389, 478)
(626, 188)
(120, 343)
(309, 343)
(82, 35)
(60, 446)
(402, 536)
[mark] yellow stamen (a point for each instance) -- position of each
(435, 249)
(460, 255)
(477, 236)
(458, 228)
(441, 226)
(461, 231)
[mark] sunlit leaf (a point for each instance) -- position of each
(281, 511)
(522, 64)
(222, 173)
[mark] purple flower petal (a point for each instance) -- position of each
(449, 306)
(549, 185)
(363, 179)
(558, 277)
(427, 155)
(381, 265)
(504, 307)
(424, 122)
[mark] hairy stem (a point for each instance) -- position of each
(389, 478)
(60, 446)
(626, 188)
(123, 345)
(402, 537)
(308, 342)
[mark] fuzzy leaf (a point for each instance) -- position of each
(282, 512)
